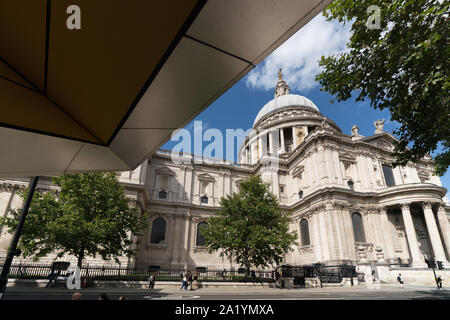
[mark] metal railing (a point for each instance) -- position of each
(400, 265)
(138, 273)
(327, 274)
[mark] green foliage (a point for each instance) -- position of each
(90, 216)
(250, 227)
(403, 66)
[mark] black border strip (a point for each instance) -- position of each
(198, 7)
(47, 43)
(218, 49)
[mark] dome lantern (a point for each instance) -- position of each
(282, 88)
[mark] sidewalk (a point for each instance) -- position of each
(161, 289)
(417, 286)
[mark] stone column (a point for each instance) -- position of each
(445, 228)
(271, 146)
(324, 236)
(260, 147)
(283, 146)
(323, 172)
(417, 260)
(387, 234)
(433, 232)
(337, 167)
(316, 236)
(171, 236)
(186, 241)
(177, 241)
(294, 138)
(254, 152)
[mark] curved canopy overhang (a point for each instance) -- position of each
(107, 95)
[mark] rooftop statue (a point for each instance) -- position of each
(355, 133)
(379, 124)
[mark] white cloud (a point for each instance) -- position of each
(300, 54)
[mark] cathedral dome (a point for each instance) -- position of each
(284, 101)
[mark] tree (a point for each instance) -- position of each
(89, 216)
(403, 66)
(250, 227)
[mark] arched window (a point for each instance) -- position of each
(304, 232)
(200, 239)
(358, 227)
(158, 230)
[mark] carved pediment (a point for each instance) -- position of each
(423, 174)
(297, 171)
(346, 156)
(164, 170)
(385, 144)
(206, 176)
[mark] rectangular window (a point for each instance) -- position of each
(348, 170)
(388, 175)
(204, 187)
(300, 180)
(351, 185)
(164, 182)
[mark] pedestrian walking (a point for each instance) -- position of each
(51, 279)
(399, 278)
(151, 281)
(184, 283)
(439, 282)
(195, 286)
(154, 281)
(190, 280)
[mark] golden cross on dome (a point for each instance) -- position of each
(280, 75)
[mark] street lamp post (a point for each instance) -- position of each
(15, 240)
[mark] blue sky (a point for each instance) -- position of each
(298, 57)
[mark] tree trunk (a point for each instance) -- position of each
(80, 258)
(247, 268)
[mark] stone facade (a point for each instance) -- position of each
(349, 204)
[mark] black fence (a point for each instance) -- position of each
(139, 273)
(327, 274)
(400, 265)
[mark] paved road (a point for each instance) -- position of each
(387, 292)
